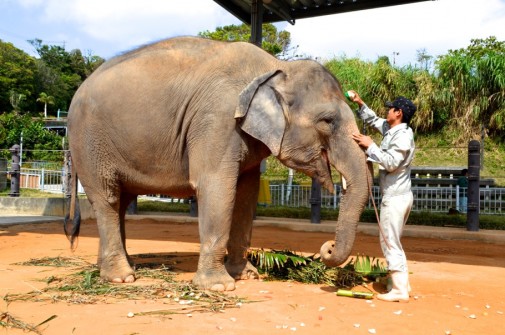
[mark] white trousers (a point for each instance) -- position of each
(394, 213)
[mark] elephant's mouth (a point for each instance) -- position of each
(326, 180)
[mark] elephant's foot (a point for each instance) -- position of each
(214, 281)
(242, 270)
(115, 270)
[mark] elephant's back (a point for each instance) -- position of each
(193, 50)
(166, 74)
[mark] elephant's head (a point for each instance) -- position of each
(299, 112)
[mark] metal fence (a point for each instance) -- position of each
(45, 180)
(429, 199)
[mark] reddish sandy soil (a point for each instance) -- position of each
(457, 287)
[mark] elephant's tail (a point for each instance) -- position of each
(72, 221)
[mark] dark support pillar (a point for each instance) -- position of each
(256, 21)
(15, 170)
(315, 202)
(193, 207)
(472, 218)
(132, 207)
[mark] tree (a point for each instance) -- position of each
(424, 59)
(16, 99)
(473, 80)
(38, 143)
(273, 41)
(60, 73)
(17, 74)
(45, 99)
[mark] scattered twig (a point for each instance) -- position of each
(9, 321)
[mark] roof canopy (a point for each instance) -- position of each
(290, 10)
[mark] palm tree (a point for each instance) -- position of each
(16, 99)
(45, 99)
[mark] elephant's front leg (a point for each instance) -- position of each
(246, 201)
(215, 205)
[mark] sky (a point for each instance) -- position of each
(109, 27)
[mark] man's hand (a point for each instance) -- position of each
(357, 98)
(363, 140)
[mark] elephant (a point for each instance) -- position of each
(189, 116)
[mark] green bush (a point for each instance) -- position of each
(494, 222)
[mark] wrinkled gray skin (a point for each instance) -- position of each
(190, 116)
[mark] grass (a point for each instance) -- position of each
(494, 222)
(84, 286)
(31, 193)
(53, 261)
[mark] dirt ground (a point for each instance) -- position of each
(457, 287)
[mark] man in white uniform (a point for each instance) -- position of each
(394, 156)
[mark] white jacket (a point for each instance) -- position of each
(394, 155)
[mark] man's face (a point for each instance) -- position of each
(394, 116)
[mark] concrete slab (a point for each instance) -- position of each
(9, 220)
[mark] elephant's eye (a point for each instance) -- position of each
(327, 117)
(325, 120)
(325, 125)
(328, 120)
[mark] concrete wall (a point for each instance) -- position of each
(42, 206)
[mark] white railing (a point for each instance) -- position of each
(430, 199)
(44, 180)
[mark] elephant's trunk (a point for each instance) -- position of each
(351, 163)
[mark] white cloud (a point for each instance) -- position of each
(107, 27)
(436, 26)
(131, 22)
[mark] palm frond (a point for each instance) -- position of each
(287, 265)
(268, 261)
(367, 267)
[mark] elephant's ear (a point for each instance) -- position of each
(260, 111)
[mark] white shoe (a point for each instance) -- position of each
(400, 290)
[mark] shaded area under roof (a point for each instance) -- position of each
(291, 10)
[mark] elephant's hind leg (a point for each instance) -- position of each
(126, 199)
(112, 258)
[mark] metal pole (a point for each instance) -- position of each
(315, 202)
(132, 207)
(472, 218)
(42, 181)
(457, 199)
(15, 171)
(335, 196)
(193, 207)
(256, 22)
(67, 170)
(282, 194)
(482, 137)
(21, 151)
